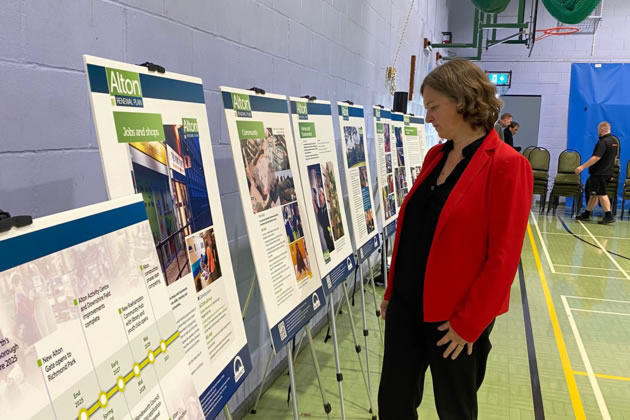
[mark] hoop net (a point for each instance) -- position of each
(559, 30)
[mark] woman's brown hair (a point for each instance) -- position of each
(470, 88)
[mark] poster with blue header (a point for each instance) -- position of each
(154, 139)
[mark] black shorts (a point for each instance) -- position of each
(596, 185)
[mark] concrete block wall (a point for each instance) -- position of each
(333, 49)
(548, 71)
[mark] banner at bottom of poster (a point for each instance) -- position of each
(214, 398)
(390, 229)
(338, 274)
(368, 248)
(290, 325)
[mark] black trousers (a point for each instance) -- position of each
(410, 347)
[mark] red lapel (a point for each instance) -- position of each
(479, 160)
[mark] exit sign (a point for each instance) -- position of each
(500, 78)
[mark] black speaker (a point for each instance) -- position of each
(400, 102)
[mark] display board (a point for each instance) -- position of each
(415, 145)
(274, 208)
(388, 172)
(402, 179)
(358, 178)
(319, 174)
(86, 330)
(154, 139)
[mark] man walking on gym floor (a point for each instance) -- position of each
(601, 166)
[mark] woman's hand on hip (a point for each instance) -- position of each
(384, 308)
(455, 343)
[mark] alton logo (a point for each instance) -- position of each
(344, 112)
(124, 83)
(241, 104)
(301, 108)
(190, 125)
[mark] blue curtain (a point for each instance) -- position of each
(599, 92)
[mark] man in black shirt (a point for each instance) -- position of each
(601, 166)
(509, 132)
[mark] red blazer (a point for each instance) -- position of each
(478, 240)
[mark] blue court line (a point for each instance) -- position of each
(564, 225)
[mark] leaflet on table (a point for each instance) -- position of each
(273, 205)
(415, 146)
(388, 171)
(154, 139)
(319, 175)
(85, 327)
(358, 179)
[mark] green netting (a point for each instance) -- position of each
(570, 11)
(491, 6)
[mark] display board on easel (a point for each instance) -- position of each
(319, 174)
(415, 146)
(275, 210)
(358, 178)
(387, 168)
(154, 139)
(86, 329)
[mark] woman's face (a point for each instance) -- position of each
(442, 113)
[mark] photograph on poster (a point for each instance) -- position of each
(415, 172)
(330, 184)
(398, 134)
(292, 222)
(390, 206)
(369, 220)
(363, 176)
(388, 144)
(299, 256)
(401, 178)
(401, 156)
(320, 206)
(354, 147)
(269, 178)
(401, 196)
(388, 163)
(204, 258)
(176, 198)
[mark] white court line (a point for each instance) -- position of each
(544, 246)
(605, 252)
(588, 268)
(599, 312)
(603, 300)
(579, 234)
(590, 275)
(587, 363)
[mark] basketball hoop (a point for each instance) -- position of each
(559, 30)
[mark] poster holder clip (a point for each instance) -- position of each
(153, 67)
(348, 101)
(7, 221)
(310, 98)
(380, 106)
(258, 91)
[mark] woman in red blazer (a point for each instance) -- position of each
(457, 248)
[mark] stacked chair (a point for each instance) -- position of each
(612, 189)
(539, 160)
(567, 183)
(626, 190)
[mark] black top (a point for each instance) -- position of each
(507, 135)
(421, 218)
(606, 149)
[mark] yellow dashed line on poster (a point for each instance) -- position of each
(121, 382)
